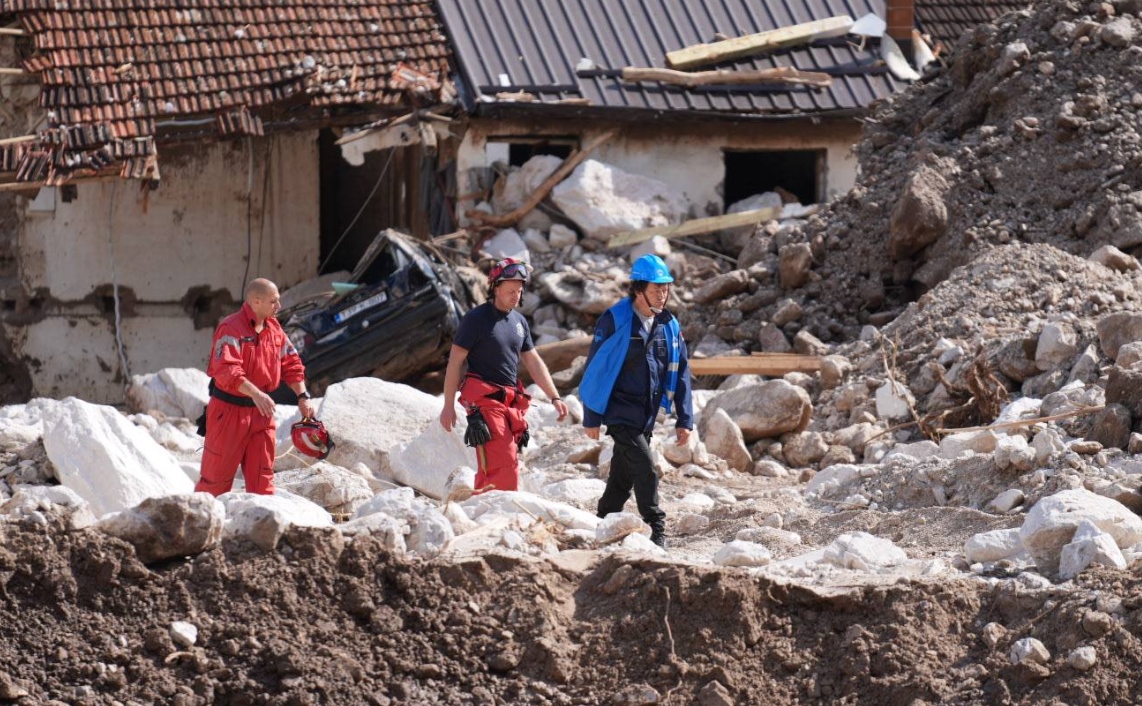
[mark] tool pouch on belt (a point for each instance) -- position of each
(477, 433)
(523, 439)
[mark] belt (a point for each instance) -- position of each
(238, 400)
(507, 396)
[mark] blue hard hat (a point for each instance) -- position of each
(650, 268)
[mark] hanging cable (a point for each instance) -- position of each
(368, 199)
(115, 287)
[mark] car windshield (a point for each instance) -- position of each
(387, 263)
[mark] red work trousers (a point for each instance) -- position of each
(497, 462)
(237, 435)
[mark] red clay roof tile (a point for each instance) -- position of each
(125, 66)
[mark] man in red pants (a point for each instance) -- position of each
(249, 358)
(492, 339)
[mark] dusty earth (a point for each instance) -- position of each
(1033, 133)
(83, 622)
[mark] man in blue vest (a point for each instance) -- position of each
(637, 364)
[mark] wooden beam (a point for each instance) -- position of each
(756, 364)
(509, 219)
(16, 140)
(760, 43)
(13, 72)
(784, 74)
(696, 226)
(560, 354)
(12, 32)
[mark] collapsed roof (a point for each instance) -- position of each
(119, 75)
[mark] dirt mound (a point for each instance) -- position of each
(83, 622)
(1031, 135)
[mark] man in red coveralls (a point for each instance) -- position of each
(248, 359)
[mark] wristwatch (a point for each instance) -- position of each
(304, 396)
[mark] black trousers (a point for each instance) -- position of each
(632, 467)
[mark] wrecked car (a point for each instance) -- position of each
(393, 317)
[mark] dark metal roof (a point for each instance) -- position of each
(946, 20)
(506, 46)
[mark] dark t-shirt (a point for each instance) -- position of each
(494, 341)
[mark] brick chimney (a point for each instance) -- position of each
(901, 20)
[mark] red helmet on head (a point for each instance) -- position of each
(506, 269)
(310, 438)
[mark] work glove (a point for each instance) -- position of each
(477, 433)
(523, 439)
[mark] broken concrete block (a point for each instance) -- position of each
(604, 200)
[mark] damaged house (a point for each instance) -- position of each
(156, 156)
(550, 78)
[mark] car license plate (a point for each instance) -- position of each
(350, 312)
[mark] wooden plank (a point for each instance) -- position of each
(687, 79)
(696, 226)
(756, 364)
(751, 44)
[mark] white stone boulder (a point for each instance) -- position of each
(172, 526)
(829, 481)
(263, 519)
(394, 430)
(1057, 345)
(1089, 546)
(107, 460)
(577, 291)
(1052, 522)
(993, 545)
(580, 492)
(724, 439)
(604, 200)
(1007, 501)
(617, 525)
(506, 243)
(388, 529)
(175, 392)
(691, 523)
(954, 446)
(1029, 650)
(894, 401)
(763, 410)
(499, 502)
(58, 500)
(742, 553)
(336, 489)
(429, 529)
(515, 189)
(862, 551)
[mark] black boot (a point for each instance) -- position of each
(658, 537)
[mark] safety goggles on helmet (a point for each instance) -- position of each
(508, 269)
(310, 438)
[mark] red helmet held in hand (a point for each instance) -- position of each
(311, 438)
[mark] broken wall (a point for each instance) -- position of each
(687, 155)
(223, 214)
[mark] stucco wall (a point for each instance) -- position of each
(689, 156)
(194, 231)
